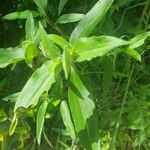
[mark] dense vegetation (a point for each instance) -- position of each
(75, 74)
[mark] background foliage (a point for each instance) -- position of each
(118, 82)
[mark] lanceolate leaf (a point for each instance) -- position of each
(20, 15)
(134, 54)
(58, 40)
(68, 18)
(48, 47)
(10, 55)
(91, 19)
(66, 62)
(42, 5)
(65, 113)
(29, 27)
(138, 40)
(89, 48)
(40, 119)
(61, 6)
(41, 80)
(83, 113)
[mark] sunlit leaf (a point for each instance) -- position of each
(134, 54)
(65, 113)
(48, 47)
(89, 48)
(66, 62)
(20, 15)
(13, 124)
(10, 55)
(138, 40)
(83, 113)
(68, 18)
(59, 40)
(40, 81)
(91, 19)
(40, 119)
(29, 27)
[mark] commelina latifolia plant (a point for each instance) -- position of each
(75, 80)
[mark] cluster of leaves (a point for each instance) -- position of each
(68, 86)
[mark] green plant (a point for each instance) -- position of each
(56, 78)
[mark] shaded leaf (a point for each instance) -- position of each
(65, 113)
(61, 6)
(40, 81)
(40, 119)
(83, 113)
(10, 55)
(91, 19)
(13, 124)
(41, 5)
(68, 18)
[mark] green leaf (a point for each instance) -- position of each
(68, 18)
(58, 40)
(10, 55)
(138, 40)
(20, 15)
(49, 48)
(12, 97)
(40, 119)
(61, 6)
(89, 48)
(40, 81)
(42, 4)
(91, 19)
(29, 27)
(3, 116)
(66, 62)
(31, 51)
(13, 124)
(65, 113)
(134, 54)
(83, 113)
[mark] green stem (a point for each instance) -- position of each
(121, 111)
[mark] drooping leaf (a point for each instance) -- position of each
(138, 40)
(59, 40)
(61, 6)
(83, 113)
(68, 18)
(65, 113)
(91, 19)
(10, 55)
(89, 48)
(31, 51)
(66, 62)
(133, 53)
(20, 15)
(29, 27)
(48, 47)
(40, 119)
(41, 5)
(40, 81)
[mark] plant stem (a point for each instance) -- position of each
(121, 110)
